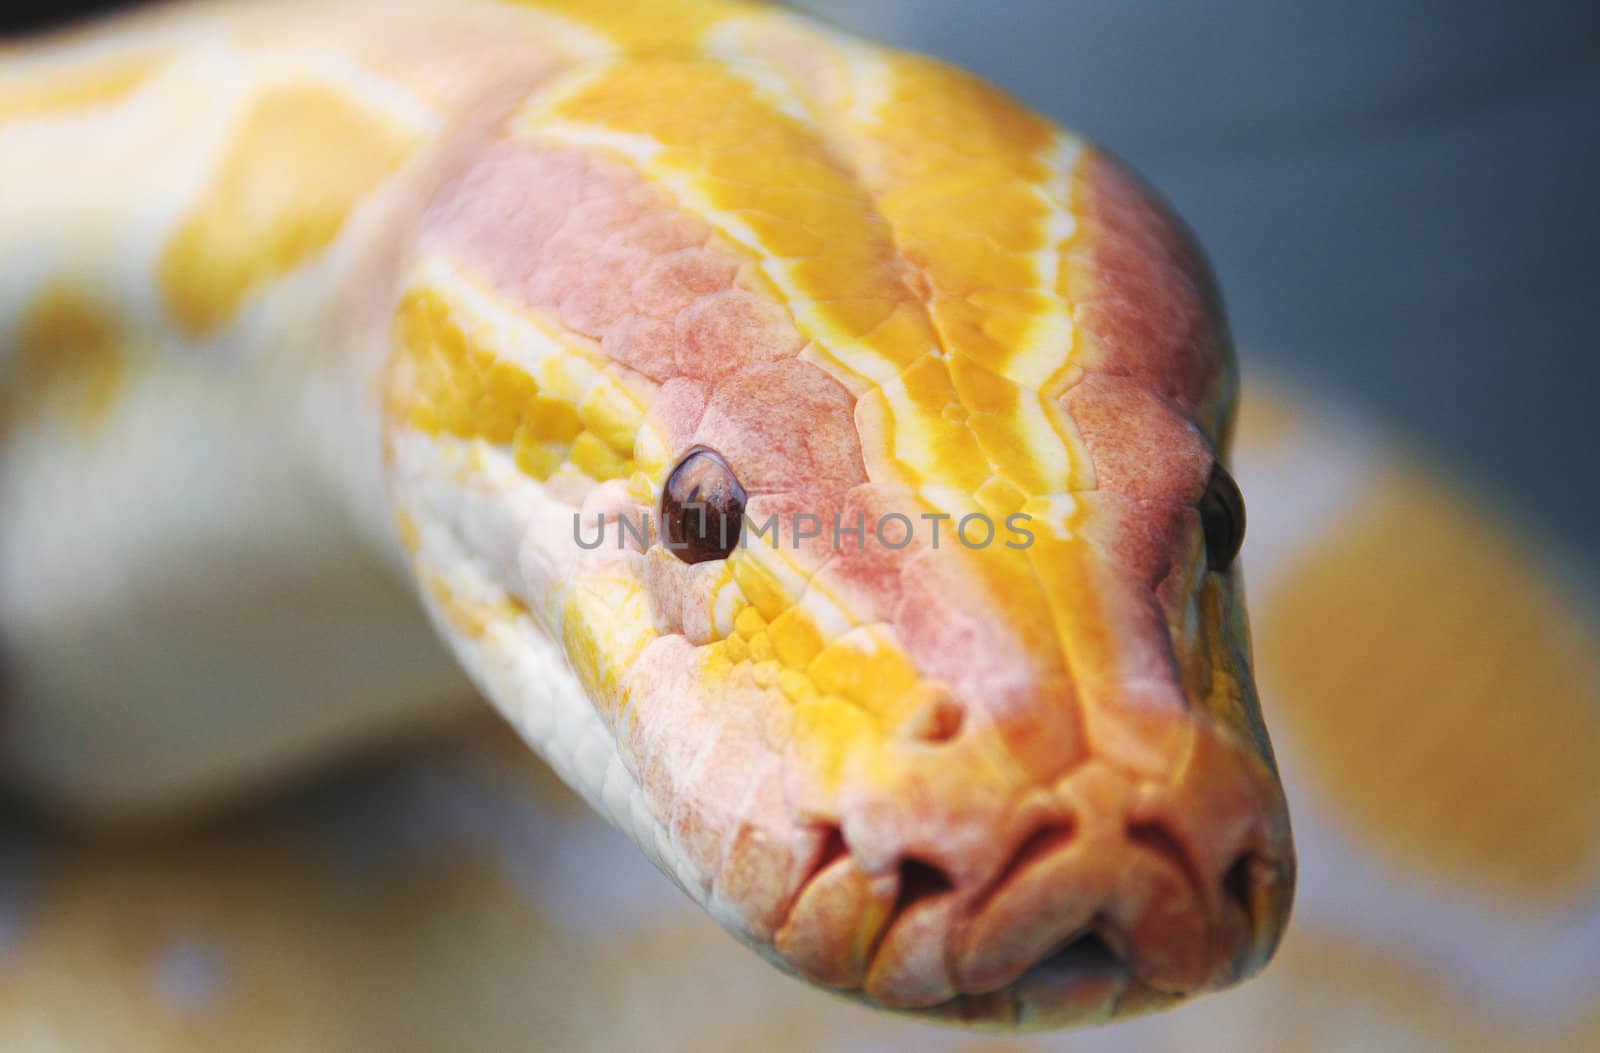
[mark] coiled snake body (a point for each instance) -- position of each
(294, 298)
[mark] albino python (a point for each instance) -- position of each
(294, 300)
(522, 262)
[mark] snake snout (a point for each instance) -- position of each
(1116, 893)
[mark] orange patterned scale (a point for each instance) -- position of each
(773, 175)
(446, 382)
(958, 169)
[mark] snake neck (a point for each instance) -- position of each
(207, 215)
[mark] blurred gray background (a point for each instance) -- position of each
(1402, 200)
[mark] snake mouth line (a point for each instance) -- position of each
(1059, 932)
(1086, 952)
(921, 889)
(1082, 980)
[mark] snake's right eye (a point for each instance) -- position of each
(1222, 519)
(702, 508)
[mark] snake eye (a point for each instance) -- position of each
(702, 508)
(1222, 519)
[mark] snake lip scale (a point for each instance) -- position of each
(322, 313)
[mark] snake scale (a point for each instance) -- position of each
(302, 307)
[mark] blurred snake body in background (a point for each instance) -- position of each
(307, 310)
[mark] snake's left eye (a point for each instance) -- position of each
(702, 508)
(1222, 519)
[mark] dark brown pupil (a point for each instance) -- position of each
(702, 508)
(1222, 519)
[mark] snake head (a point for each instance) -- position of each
(960, 721)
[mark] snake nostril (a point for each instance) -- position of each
(1038, 845)
(1160, 839)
